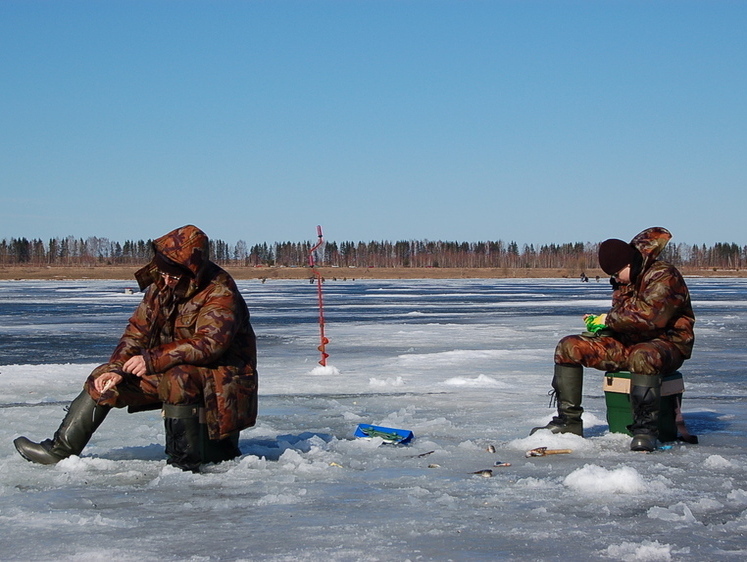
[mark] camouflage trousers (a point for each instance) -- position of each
(654, 357)
(182, 384)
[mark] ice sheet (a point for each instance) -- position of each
(463, 364)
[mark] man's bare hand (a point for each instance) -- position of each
(106, 381)
(136, 366)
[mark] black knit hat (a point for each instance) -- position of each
(614, 255)
(169, 266)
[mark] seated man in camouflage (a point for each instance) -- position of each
(189, 346)
(648, 331)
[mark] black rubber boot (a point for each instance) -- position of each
(182, 424)
(83, 417)
(645, 401)
(187, 442)
(567, 384)
(218, 450)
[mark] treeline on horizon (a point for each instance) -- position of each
(577, 256)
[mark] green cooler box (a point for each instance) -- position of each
(616, 388)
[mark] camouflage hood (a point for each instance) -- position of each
(651, 243)
(186, 248)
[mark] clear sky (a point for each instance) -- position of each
(533, 121)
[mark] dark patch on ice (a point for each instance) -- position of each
(699, 423)
(35, 404)
(272, 449)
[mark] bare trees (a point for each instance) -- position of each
(577, 256)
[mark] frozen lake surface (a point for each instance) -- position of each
(464, 364)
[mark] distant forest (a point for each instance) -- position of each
(577, 256)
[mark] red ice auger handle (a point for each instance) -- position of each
(323, 341)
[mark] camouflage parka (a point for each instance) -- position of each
(205, 325)
(656, 304)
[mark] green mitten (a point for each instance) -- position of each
(595, 323)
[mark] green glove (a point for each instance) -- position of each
(595, 323)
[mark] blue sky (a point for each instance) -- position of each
(533, 121)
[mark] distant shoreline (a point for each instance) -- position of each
(8, 273)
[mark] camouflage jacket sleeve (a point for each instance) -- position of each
(653, 307)
(136, 334)
(204, 330)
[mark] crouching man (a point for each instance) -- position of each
(188, 348)
(648, 331)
